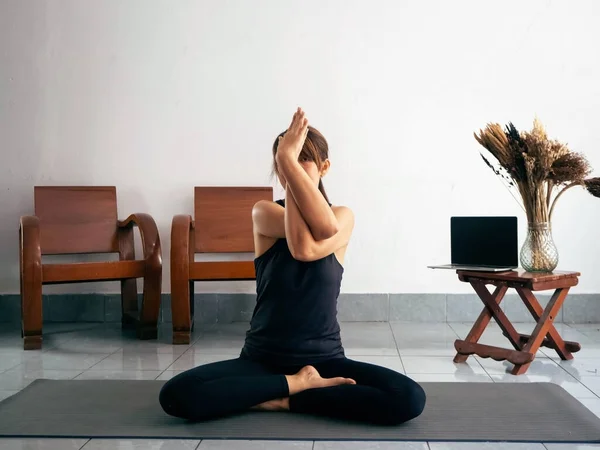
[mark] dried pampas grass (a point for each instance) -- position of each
(536, 166)
(592, 186)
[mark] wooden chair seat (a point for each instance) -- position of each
(222, 270)
(94, 271)
(80, 220)
(222, 224)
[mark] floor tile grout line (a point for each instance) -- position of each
(397, 349)
(107, 356)
(14, 367)
(585, 386)
(175, 360)
(160, 375)
(78, 375)
(453, 330)
(481, 365)
(86, 443)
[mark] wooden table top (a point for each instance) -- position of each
(519, 275)
(522, 279)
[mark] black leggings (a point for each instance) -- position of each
(380, 396)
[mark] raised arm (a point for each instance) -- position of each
(317, 213)
(303, 246)
(315, 210)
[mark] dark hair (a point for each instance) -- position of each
(315, 149)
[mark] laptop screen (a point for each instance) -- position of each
(486, 241)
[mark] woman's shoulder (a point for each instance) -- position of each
(342, 210)
(340, 207)
(268, 204)
(337, 209)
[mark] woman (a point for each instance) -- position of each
(293, 359)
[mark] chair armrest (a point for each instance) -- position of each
(181, 245)
(148, 233)
(30, 249)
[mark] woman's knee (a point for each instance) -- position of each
(168, 398)
(174, 396)
(408, 403)
(417, 400)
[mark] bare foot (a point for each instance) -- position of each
(280, 404)
(309, 378)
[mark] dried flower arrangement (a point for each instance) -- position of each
(541, 170)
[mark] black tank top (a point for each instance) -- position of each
(295, 318)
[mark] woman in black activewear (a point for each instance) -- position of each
(293, 357)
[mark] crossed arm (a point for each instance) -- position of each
(273, 221)
(303, 203)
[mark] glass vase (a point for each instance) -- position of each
(539, 254)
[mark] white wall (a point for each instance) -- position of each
(157, 96)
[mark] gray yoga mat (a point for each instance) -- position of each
(534, 412)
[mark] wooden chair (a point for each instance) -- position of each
(223, 224)
(79, 220)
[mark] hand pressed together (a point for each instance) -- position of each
(290, 145)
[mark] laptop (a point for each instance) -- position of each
(487, 244)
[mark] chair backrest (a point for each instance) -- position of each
(223, 218)
(77, 219)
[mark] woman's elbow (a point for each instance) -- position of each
(302, 254)
(326, 232)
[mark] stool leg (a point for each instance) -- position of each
(542, 327)
(494, 307)
(482, 322)
(536, 311)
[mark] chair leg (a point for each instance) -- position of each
(182, 255)
(30, 277)
(147, 327)
(31, 312)
(181, 312)
(192, 305)
(129, 303)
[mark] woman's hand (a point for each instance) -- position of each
(290, 145)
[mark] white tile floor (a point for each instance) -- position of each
(422, 351)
